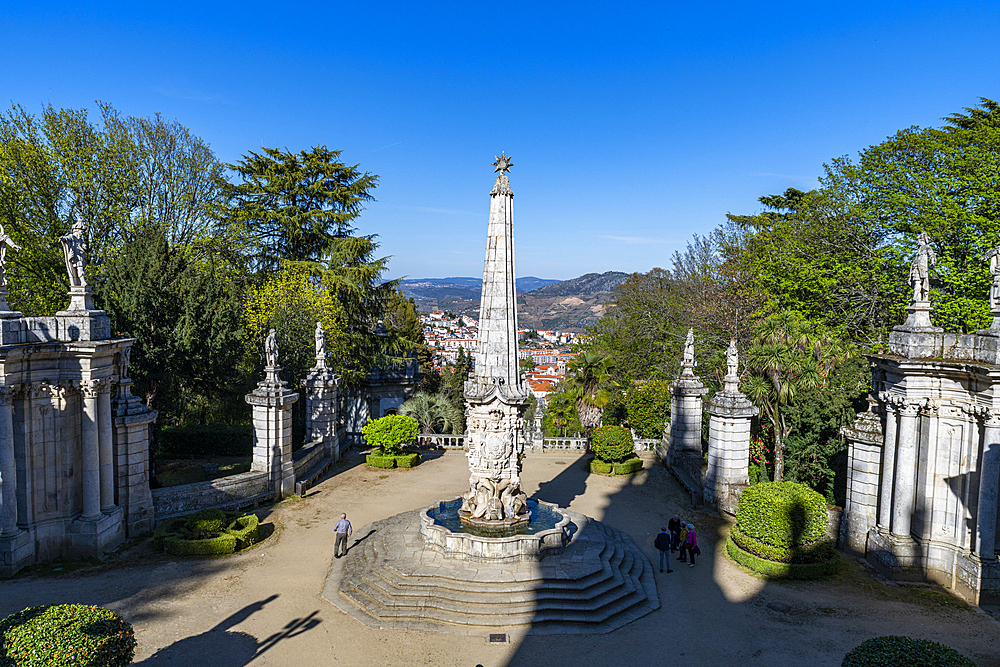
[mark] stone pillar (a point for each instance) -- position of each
(106, 447)
(90, 437)
(989, 493)
(130, 430)
(321, 408)
(685, 415)
(888, 464)
(728, 441)
(8, 465)
(864, 445)
(906, 470)
(272, 424)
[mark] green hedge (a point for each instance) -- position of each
(893, 651)
(187, 535)
(817, 552)
(599, 467)
(64, 635)
(628, 466)
(612, 443)
(782, 514)
(212, 546)
(379, 460)
(407, 460)
(775, 570)
(198, 442)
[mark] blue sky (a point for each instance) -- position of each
(631, 126)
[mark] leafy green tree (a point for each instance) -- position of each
(560, 418)
(942, 181)
(296, 205)
(389, 433)
(434, 412)
(647, 405)
(588, 381)
(184, 315)
(790, 355)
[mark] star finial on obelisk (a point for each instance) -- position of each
(503, 163)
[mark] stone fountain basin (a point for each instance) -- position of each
(513, 548)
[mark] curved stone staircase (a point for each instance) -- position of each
(600, 582)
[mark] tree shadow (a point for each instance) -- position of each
(565, 487)
(229, 648)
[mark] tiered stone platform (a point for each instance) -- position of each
(390, 579)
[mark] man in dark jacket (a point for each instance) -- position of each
(674, 526)
(663, 542)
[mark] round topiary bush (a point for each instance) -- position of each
(892, 651)
(612, 443)
(66, 634)
(782, 522)
(391, 432)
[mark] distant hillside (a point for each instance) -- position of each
(449, 289)
(590, 283)
(570, 305)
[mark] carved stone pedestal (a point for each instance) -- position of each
(272, 431)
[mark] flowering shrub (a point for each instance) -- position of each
(390, 432)
(760, 450)
(64, 635)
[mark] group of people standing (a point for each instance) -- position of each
(677, 535)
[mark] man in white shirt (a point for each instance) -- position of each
(343, 530)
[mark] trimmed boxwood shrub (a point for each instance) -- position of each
(407, 460)
(628, 466)
(776, 570)
(391, 432)
(208, 532)
(612, 443)
(893, 651)
(599, 467)
(379, 459)
(66, 634)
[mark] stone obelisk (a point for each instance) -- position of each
(495, 397)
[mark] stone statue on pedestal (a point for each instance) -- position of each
(732, 359)
(5, 242)
(689, 348)
(993, 257)
(75, 253)
(320, 342)
(271, 349)
(919, 275)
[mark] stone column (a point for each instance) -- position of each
(685, 415)
(106, 447)
(321, 408)
(728, 444)
(272, 422)
(989, 488)
(90, 436)
(906, 470)
(8, 465)
(864, 442)
(888, 465)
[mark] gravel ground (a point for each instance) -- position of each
(264, 606)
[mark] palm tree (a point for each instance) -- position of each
(789, 355)
(589, 375)
(434, 412)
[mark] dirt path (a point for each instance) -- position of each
(263, 607)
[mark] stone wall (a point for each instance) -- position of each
(232, 492)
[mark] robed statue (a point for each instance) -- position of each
(5, 242)
(75, 253)
(320, 342)
(993, 257)
(732, 359)
(271, 349)
(689, 348)
(919, 275)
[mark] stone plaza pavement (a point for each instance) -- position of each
(264, 607)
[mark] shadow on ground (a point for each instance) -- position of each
(223, 648)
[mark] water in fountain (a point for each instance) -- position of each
(542, 518)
